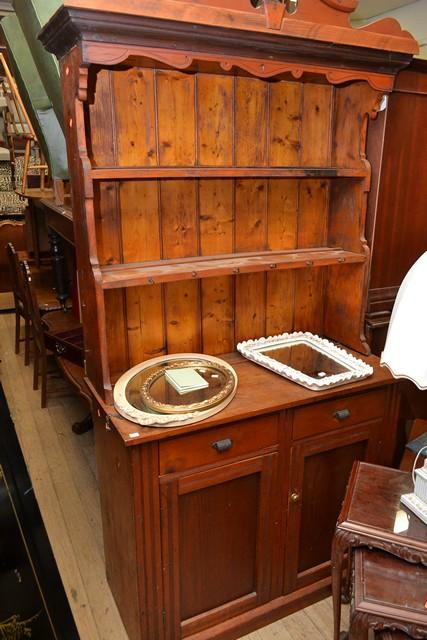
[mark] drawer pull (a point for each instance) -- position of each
(342, 414)
(222, 445)
(295, 497)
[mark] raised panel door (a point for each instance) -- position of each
(220, 530)
(320, 468)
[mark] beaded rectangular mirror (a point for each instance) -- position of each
(306, 359)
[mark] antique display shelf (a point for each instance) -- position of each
(220, 180)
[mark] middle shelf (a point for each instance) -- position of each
(133, 274)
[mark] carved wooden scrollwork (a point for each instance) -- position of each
(346, 539)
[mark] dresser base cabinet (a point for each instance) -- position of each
(201, 544)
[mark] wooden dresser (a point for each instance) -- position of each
(219, 173)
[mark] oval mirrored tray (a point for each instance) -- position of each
(150, 393)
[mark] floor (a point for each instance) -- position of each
(63, 472)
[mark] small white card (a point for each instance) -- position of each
(185, 380)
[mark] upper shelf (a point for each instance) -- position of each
(134, 173)
(145, 273)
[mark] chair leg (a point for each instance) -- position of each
(17, 331)
(36, 368)
(44, 382)
(27, 342)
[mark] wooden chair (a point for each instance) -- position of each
(62, 320)
(20, 299)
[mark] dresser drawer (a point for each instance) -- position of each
(346, 411)
(218, 445)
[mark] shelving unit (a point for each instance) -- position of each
(220, 184)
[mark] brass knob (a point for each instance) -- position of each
(295, 497)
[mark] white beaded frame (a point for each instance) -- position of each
(357, 369)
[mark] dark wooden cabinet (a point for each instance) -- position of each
(319, 471)
(220, 178)
(222, 522)
(218, 526)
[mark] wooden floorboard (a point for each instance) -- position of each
(63, 473)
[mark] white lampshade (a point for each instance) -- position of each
(405, 351)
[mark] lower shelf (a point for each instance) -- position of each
(146, 273)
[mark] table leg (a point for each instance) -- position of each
(337, 559)
(359, 627)
(59, 267)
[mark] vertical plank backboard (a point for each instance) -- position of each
(139, 208)
(313, 213)
(214, 120)
(251, 214)
(107, 217)
(176, 118)
(316, 125)
(216, 203)
(309, 296)
(141, 241)
(135, 119)
(282, 234)
(179, 225)
(182, 305)
(179, 206)
(282, 226)
(250, 235)
(251, 117)
(145, 326)
(285, 124)
(250, 306)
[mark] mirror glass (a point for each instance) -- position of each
(305, 358)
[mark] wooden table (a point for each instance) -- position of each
(389, 593)
(368, 518)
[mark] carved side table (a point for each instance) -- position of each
(370, 517)
(388, 593)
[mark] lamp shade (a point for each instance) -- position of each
(405, 351)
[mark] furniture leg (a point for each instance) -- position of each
(59, 267)
(44, 382)
(359, 627)
(27, 336)
(36, 368)
(32, 214)
(337, 558)
(17, 331)
(346, 595)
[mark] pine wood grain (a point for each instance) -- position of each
(251, 116)
(135, 120)
(316, 125)
(214, 120)
(176, 118)
(62, 469)
(285, 123)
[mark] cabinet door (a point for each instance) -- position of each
(219, 531)
(320, 468)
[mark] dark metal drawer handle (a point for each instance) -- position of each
(222, 445)
(342, 414)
